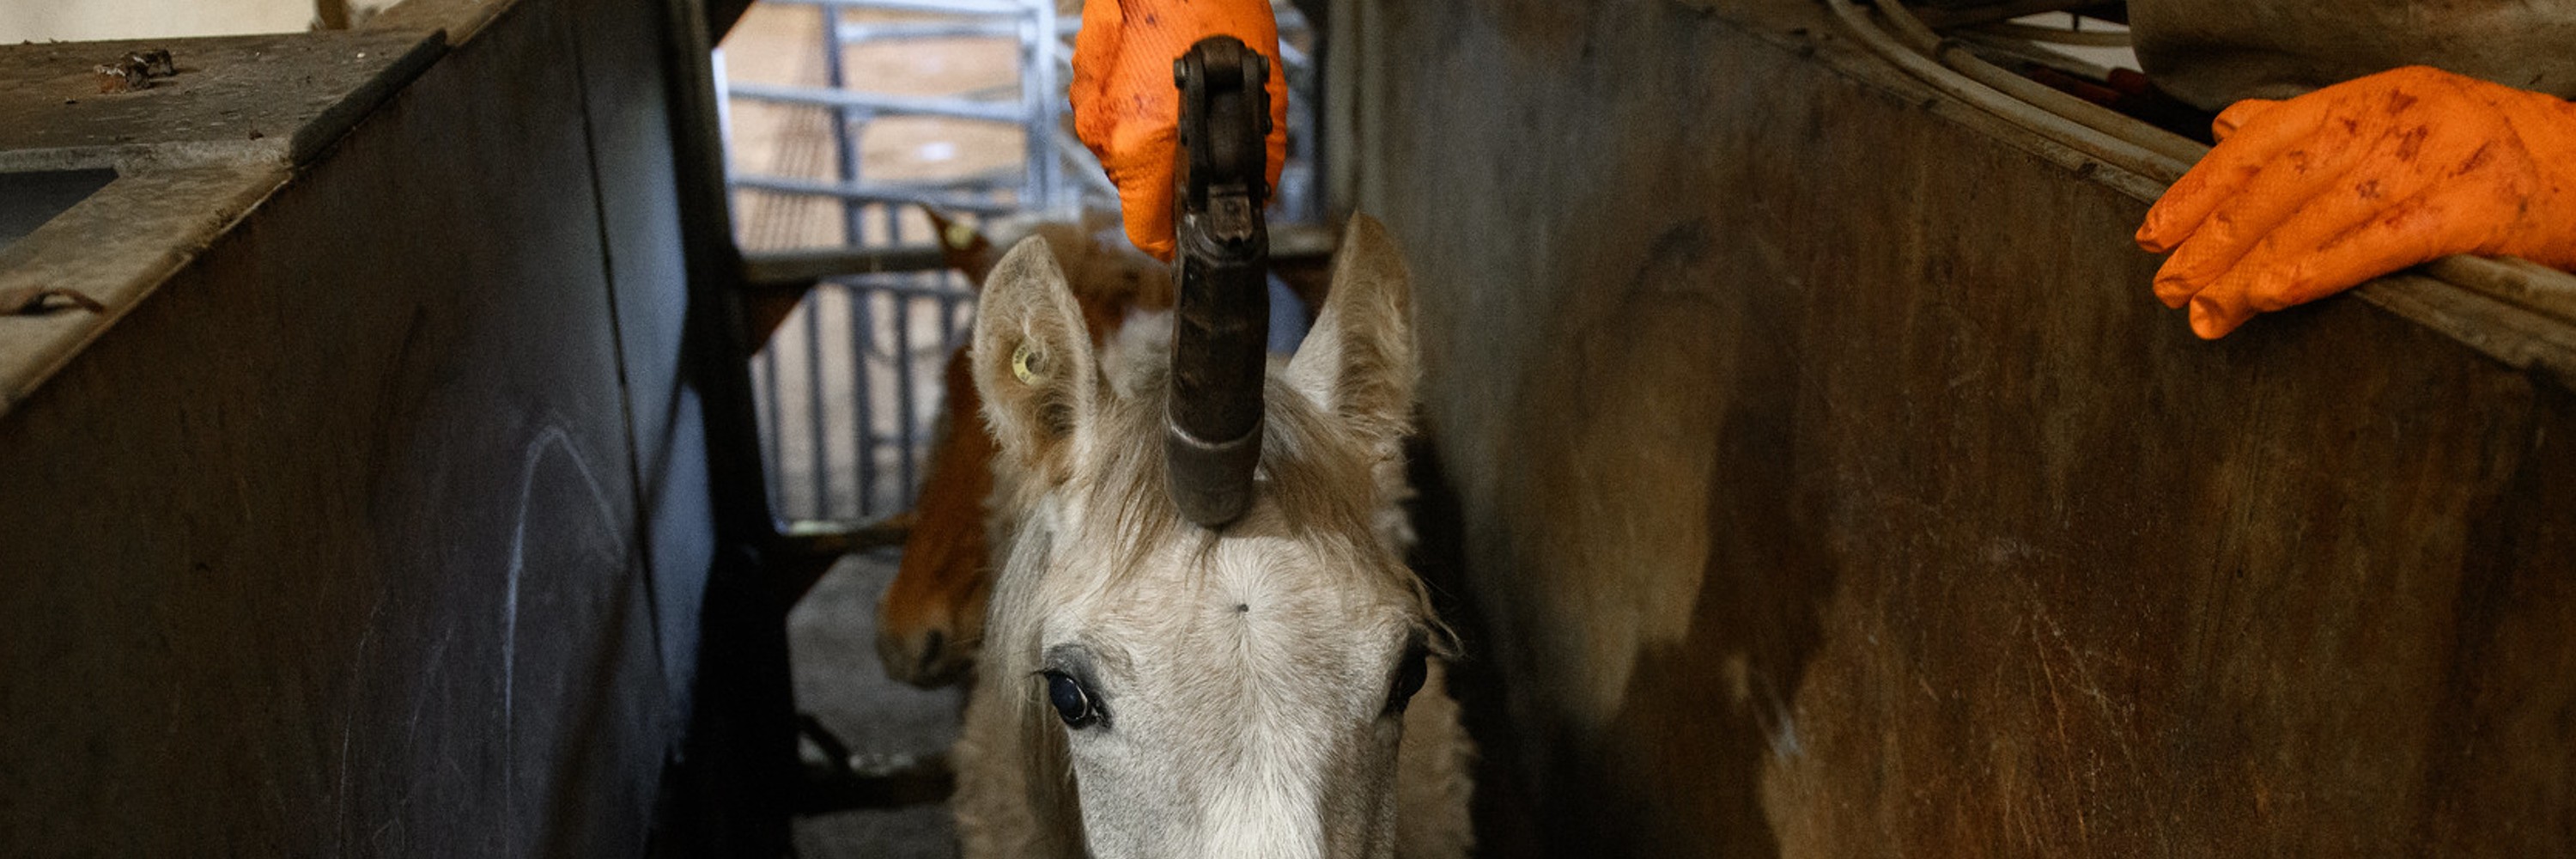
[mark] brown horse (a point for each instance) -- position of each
(931, 620)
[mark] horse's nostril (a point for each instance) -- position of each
(930, 645)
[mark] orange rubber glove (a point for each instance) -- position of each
(1127, 110)
(2311, 196)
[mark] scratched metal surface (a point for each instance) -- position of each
(1830, 484)
(233, 99)
(332, 546)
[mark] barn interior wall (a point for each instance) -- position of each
(1830, 484)
(381, 527)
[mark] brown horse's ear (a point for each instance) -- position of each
(962, 247)
(1358, 361)
(1034, 366)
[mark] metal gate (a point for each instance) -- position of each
(849, 387)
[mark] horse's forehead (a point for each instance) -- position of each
(1264, 581)
(1273, 562)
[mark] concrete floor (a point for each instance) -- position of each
(832, 634)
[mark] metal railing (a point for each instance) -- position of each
(850, 391)
(849, 388)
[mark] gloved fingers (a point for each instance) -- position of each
(2280, 266)
(1126, 108)
(2214, 315)
(2275, 194)
(2229, 168)
(2343, 249)
(2238, 115)
(2405, 202)
(2428, 164)
(1157, 39)
(1145, 190)
(2336, 245)
(1095, 59)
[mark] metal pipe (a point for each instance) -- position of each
(2178, 152)
(967, 29)
(765, 417)
(863, 425)
(1967, 15)
(815, 426)
(1035, 192)
(952, 7)
(844, 157)
(903, 393)
(2019, 50)
(894, 283)
(2512, 280)
(877, 102)
(1086, 167)
(812, 264)
(2119, 153)
(873, 192)
(2079, 38)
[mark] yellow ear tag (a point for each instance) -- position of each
(960, 236)
(1023, 360)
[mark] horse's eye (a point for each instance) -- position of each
(1072, 702)
(1409, 675)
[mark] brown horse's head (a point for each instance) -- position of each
(931, 619)
(932, 616)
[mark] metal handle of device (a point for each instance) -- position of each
(1221, 311)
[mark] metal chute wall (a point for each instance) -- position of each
(1830, 483)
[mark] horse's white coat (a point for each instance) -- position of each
(1245, 676)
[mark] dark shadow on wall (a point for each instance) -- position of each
(1505, 819)
(1677, 770)
(1732, 679)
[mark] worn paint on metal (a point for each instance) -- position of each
(1831, 484)
(337, 541)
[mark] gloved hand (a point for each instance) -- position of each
(1126, 109)
(2311, 196)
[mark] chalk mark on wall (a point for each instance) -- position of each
(552, 438)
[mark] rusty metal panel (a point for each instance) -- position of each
(331, 545)
(1832, 485)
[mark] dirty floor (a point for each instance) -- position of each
(832, 635)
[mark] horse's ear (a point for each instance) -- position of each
(1033, 364)
(1358, 361)
(961, 246)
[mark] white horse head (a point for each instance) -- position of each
(1154, 689)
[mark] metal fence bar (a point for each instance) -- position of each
(969, 29)
(766, 408)
(899, 285)
(863, 437)
(946, 7)
(859, 194)
(1038, 99)
(897, 188)
(1085, 167)
(806, 265)
(882, 103)
(903, 393)
(820, 484)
